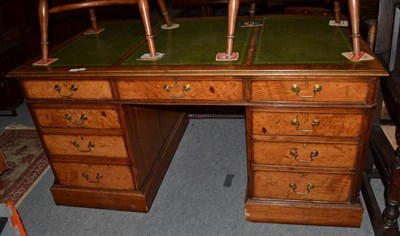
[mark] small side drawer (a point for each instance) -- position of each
(104, 118)
(310, 90)
(302, 186)
(86, 145)
(67, 89)
(93, 176)
(218, 90)
(305, 154)
(307, 123)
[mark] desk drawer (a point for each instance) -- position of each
(93, 176)
(100, 118)
(305, 154)
(302, 186)
(307, 123)
(218, 90)
(67, 89)
(310, 90)
(86, 145)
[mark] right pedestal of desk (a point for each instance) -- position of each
(306, 142)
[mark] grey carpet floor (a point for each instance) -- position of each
(192, 199)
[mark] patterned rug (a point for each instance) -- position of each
(27, 163)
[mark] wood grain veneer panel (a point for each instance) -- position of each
(327, 187)
(151, 131)
(104, 146)
(223, 90)
(330, 124)
(93, 176)
(340, 91)
(284, 153)
(73, 118)
(86, 89)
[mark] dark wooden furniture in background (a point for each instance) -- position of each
(382, 154)
(3, 163)
(11, 55)
(13, 52)
(3, 166)
(110, 132)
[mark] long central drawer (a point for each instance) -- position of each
(218, 90)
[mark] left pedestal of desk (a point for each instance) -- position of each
(104, 154)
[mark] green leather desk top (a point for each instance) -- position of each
(301, 40)
(281, 40)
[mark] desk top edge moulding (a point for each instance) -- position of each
(110, 123)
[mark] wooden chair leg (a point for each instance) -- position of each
(252, 12)
(145, 14)
(93, 20)
(336, 10)
(95, 29)
(44, 29)
(233, 9)
(164, 12)
(229, 55)
(168, 23)
(354, 9)
(44, 24)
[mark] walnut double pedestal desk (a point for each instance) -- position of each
(110, 123)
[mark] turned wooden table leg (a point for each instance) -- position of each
(336, 10)
(145, 14)
(233, 9)
(354, 9)
(93, 20)
(44, 24)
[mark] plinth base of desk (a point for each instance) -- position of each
(104, 199)
(269, 211)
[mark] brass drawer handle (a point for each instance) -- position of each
(81, 121)
(89, 149)
(294, 153)
(68, 94)
(294, 187)
(97, 180)
(296, 89)
(316, 122)
(167, 88)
